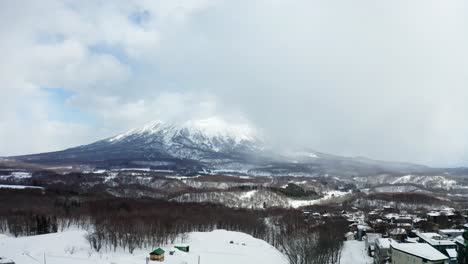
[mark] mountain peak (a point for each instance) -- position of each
(217, 127)
(209, 128)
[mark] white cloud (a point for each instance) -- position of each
(380, 79)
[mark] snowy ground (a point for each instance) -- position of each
(17, 175)
(354, 252)
(9, 186)
(328, 196)
(71, 247)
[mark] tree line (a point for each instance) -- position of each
(132, 223)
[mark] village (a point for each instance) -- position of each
(390, 235)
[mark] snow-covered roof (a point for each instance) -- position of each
(398, 231)
(435, 239)
(417, 220)
(451, 231)
(421, 250)
(404, 224)
(452, 253)
(448, 210)
(405, 217)
(412, 240)
(391, 215)
(383, 242)
(433, 214)
(460, 240)
(363, 227)
(371, 237)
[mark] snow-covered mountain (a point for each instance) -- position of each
(216, 146)
(194, 139)
(193, 145)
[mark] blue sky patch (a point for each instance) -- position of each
(50, 38)
(64, 111)
(140, 17)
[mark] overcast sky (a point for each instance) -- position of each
(382, 79)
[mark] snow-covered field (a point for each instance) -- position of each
(71, 247)
(328, 196)
(255, 199)
(426, 181)
(16, 175)
(354, 252)
(9, 186)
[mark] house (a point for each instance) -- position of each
(415, 253)
(370, 242)
(451, 233)
(406, 226)
(349, 236)
(362, 231)
(381, 226)
(462, 250)
(391, 217)
(382, 250)
(6, 261)
(388, 209)
(353, 227)
(404, 219)
(157, 254)
(441, 219)
(398, 234)
(184, 248)
(437, 241)
(453, 255)
(434, 217)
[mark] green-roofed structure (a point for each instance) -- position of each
(157, 254)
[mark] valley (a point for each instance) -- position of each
(119, 198)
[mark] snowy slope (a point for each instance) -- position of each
(354, 252)
(193, 146)
(211, 134)
(12, 186)
(424, 180)
(71, 247)
(255, 199)
(198, 130)
(214, 145)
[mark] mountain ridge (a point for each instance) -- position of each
(214, 145)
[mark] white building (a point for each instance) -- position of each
(382, 250)
(370, 242)
(416, 253)
(451, 233)
(437, 241)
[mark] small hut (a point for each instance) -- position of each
(157, 255)
(183, 248)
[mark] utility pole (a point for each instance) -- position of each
(44, 259)
(198, 259)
